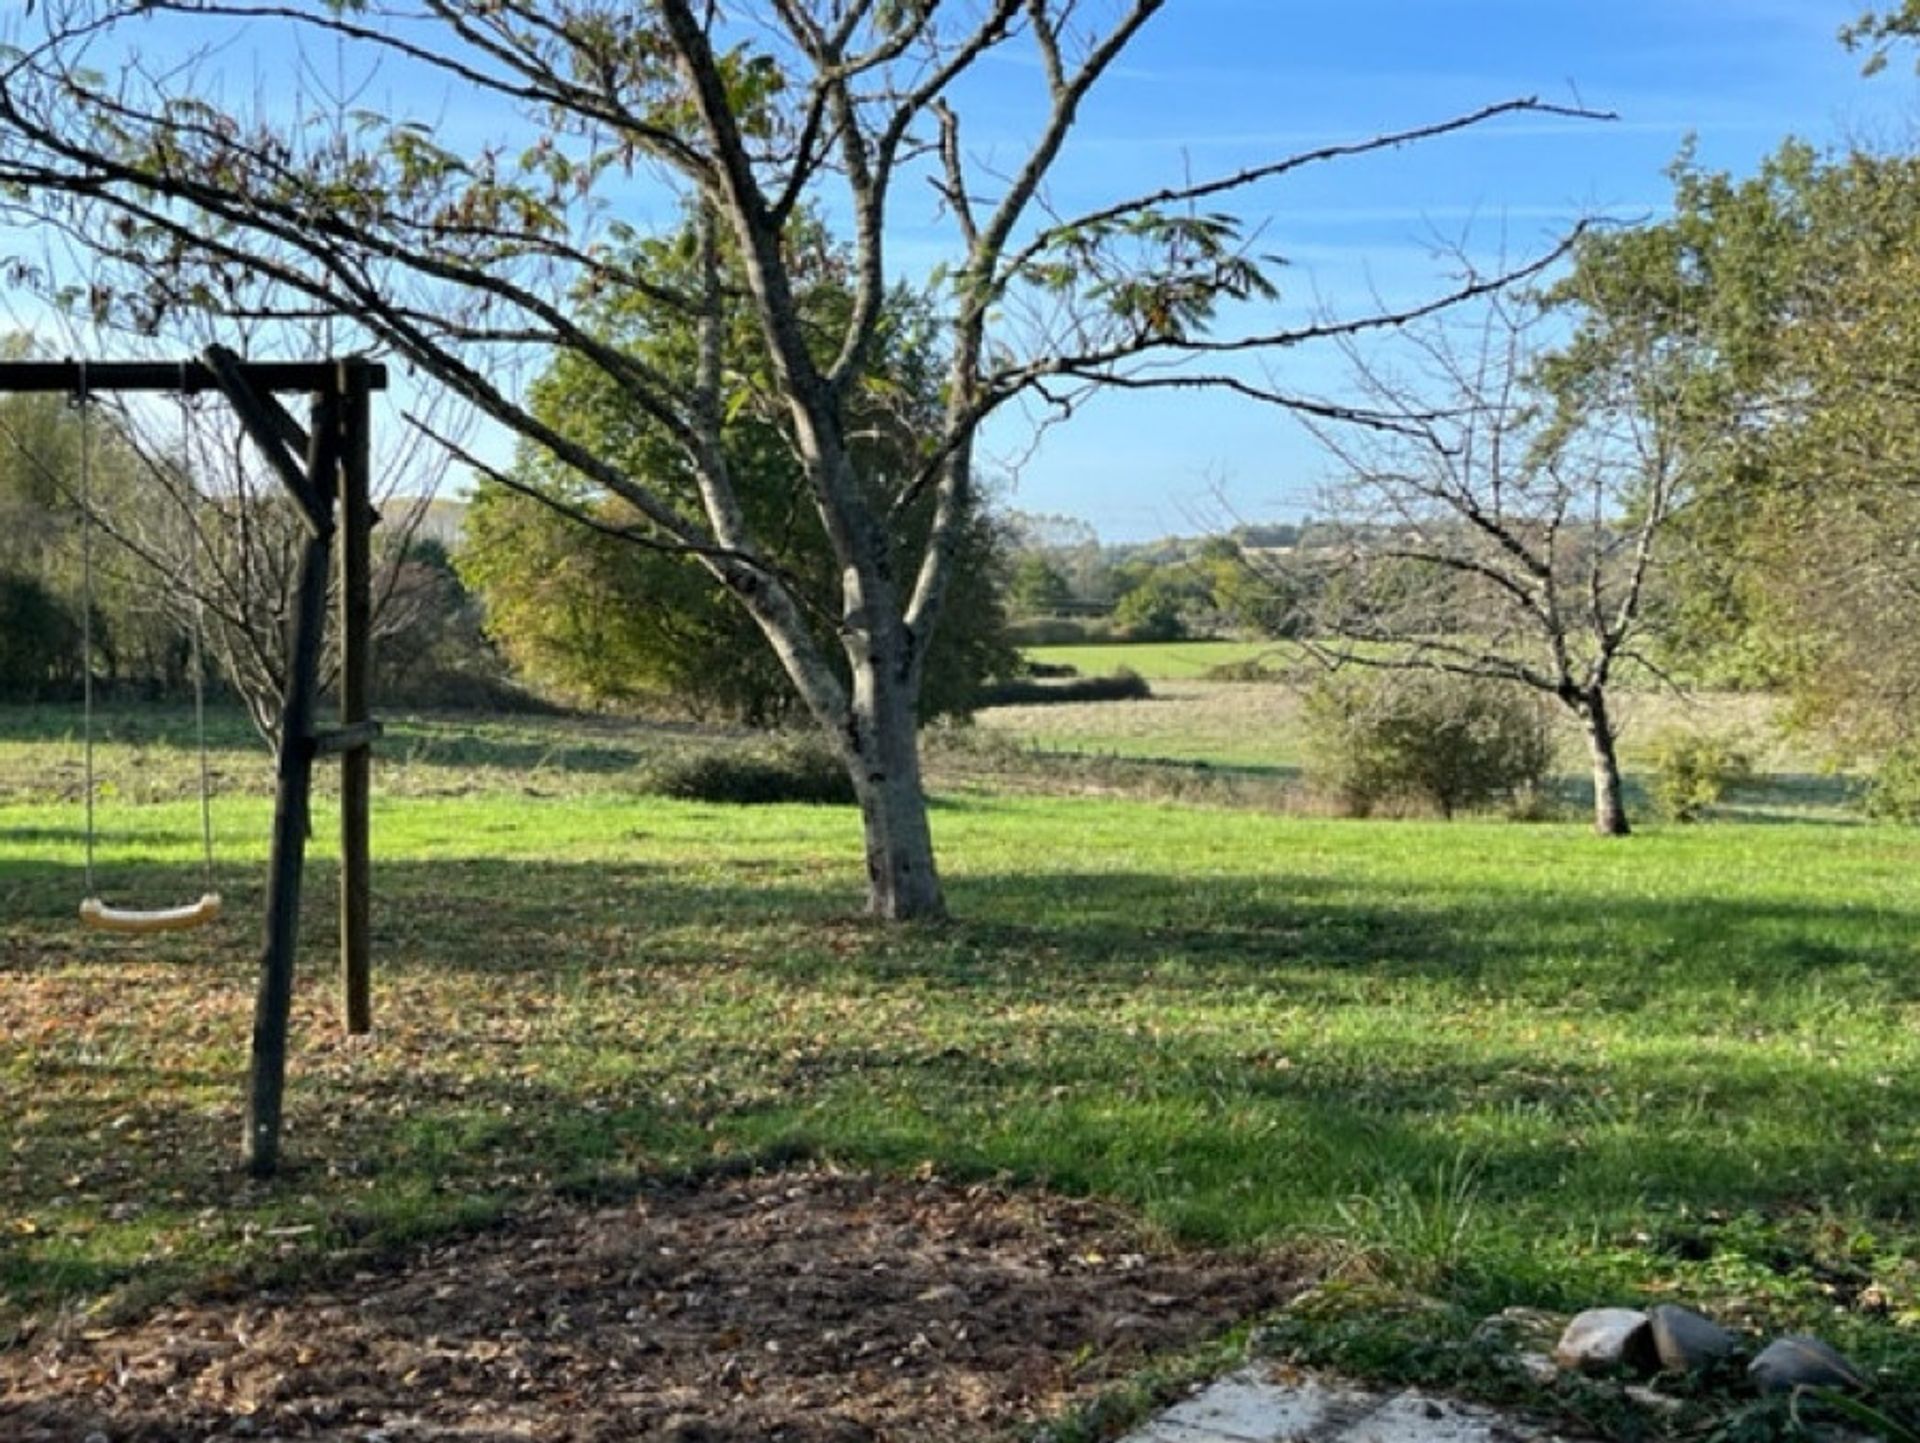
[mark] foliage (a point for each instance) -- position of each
(1120, 685)
(1774, 305)
(39, 642)
(793, 769)
(609, 614)
(1693, 769)
(1155, 607)
(1894, 794)
(432, 650)
(137, 645)
(1391, 738)
(1037, 587)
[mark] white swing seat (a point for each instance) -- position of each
(97, 914)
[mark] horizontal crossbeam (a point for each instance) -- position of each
(72, 377)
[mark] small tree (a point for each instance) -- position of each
(1491, 526)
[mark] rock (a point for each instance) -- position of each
(1602, 1340)
(1688, 1342)
(1797, 1361)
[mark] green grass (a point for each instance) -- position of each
(1252, 730)
(1163, 660)
(1485, 1063)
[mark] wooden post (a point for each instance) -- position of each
(356, 762)
(292, 796)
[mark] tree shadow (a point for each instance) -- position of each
(1239, 1055)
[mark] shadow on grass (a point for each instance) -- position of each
(1245, 1058)
(481, 739)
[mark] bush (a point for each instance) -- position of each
(1055, 631)
(1894, 793)
(1123, 685)
(39, 642)
(794, 769)
(1401, 739)
(1251, 669)
(1692, 771)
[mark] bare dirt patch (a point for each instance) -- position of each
(798, 1307)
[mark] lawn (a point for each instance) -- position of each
(1164, 660)
(1479, 1064)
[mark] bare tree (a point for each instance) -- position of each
(462, 256)
(216, 543)
(1492, 527)
(200, 536)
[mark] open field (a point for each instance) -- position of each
(1251, 730)
(1164, 660)
(1472, 1065)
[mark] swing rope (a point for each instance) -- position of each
(83, 398)
(189, 431)
(94, 912)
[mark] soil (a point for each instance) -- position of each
(797, 1307)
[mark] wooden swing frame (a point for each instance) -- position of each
(324, 466)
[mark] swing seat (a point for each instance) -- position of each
(98, 915)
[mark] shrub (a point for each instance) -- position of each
(1894, 793)
(1250, 669)
(39, 642)
(1055, 631)
(1692, 771)
(1123, 685)
(793, 769)
(1397, 739)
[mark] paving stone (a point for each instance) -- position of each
(1254, 1406)
(1246, 1406)
(1414, 1417)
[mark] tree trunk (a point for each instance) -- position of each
(902, 881)
(1609, 806)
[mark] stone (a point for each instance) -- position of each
(1604, 1340)
(1686, 1341)
(1798, 1361)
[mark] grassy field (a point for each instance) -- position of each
(1251, 731)
(1163, 660)
(1472, 1064)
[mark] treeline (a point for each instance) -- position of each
(130, 534)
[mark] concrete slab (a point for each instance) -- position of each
(1268, 1405)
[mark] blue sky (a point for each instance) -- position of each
(1219, 83)
(1215, 85)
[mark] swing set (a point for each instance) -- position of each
(324, 467)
